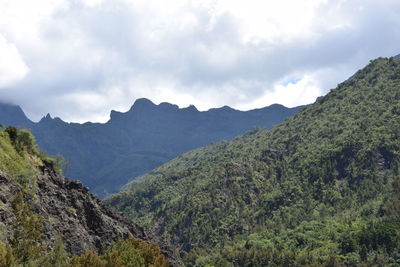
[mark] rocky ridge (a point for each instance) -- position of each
(71, 212)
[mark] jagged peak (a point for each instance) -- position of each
(46, 118)
(397, 57)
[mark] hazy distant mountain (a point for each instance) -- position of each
(107, 156)
(13, 115)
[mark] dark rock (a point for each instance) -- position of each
(73, 213)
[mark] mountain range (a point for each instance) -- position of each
(105, 156)
(320, 189)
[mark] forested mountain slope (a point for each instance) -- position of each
(320, 189)
(106, 156)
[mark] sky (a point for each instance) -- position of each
(79, 59)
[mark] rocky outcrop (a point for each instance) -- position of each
(69, 211)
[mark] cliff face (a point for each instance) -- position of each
(69, 211)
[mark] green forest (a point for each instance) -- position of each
(320, 189)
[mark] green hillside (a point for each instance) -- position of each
(320, 189)
(19, 156)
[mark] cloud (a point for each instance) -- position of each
(88, 57)
(12, 66)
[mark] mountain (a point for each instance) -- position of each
(320, 189)
(13, 115)
(106, 156)
(39, 208)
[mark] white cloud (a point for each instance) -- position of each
(290, 94)
(92, 3)
(12, 66)
(204, 52)
(272, 21)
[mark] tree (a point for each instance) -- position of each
(25, 140)
(27, 232)
(6, 256)
(22, 139)
(135, 252)
(60, 163)
(394, 202)
(57, 256)
(88, 259)
(12, 133)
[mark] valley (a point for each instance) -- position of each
(320, 188)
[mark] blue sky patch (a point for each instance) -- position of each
(292, 80)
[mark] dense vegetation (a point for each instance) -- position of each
(23, 245)
(106, 156)
(321, 189)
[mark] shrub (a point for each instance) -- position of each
(135, 252)
(27, 232)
